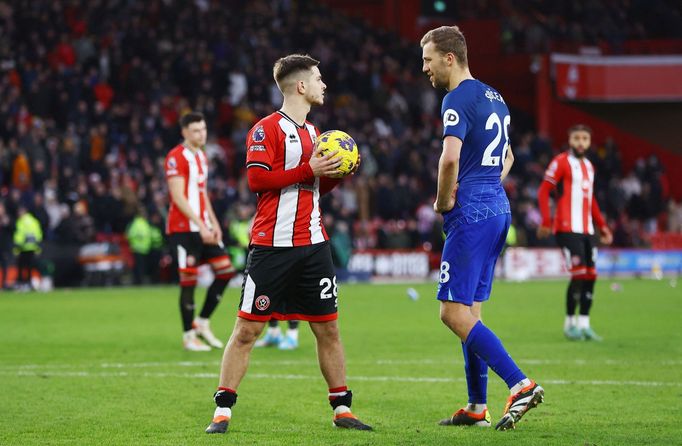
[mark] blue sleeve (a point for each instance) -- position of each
(455, 115)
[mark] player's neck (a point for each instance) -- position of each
(577, 154)
(297, 110)
(186, 144)
(457, 76)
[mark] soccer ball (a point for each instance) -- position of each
(344, 143)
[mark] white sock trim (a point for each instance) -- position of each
(274, 331)
(583, 322)
(293, 334)
(477, 408)
(341, 409)
(222, 412)
(519, 385)
(335, 394)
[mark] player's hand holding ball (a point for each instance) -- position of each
(338, 146)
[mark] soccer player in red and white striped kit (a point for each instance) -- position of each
(194, 232)
(577, 214)
(289, 272)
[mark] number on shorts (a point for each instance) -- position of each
(328, 284)
(444, 272)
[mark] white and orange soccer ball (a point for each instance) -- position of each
(345, 144)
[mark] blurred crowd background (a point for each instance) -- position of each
(91, 93)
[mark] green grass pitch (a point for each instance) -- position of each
(105, 367)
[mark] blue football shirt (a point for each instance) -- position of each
(477, 114)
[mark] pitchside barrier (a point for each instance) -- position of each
(516, 264)
(539, 263)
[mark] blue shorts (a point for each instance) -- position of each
(467, 267)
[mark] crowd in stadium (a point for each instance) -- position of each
(91, 93)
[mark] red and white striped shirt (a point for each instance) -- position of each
(576, 207)
(193, 167)
(288, 211)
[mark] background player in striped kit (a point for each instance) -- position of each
(577, 213)
(289, 273)
(194, 232)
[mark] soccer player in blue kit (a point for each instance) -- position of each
(476, 157)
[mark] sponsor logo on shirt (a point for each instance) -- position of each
(450, 117)
(257, 148)
(303, 186)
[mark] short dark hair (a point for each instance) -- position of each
(579, 128)
(448, 39)
(190, 118)
(291, 64)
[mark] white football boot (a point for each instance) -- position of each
(192, 343)
(203, 330)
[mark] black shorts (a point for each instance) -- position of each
(289, 284)
(579, 251)
(189, 251)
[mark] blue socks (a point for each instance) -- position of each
(477, 376)
(482, 342)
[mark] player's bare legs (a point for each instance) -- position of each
(330, 353)
(333, 366)
(525, 393)
(232, 370)
(460, 318)
(223, 271)
(237, 352)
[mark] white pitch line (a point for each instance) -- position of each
(409, 379)
(299, 362)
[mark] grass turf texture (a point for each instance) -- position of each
(105, 366)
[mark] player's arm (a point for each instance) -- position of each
(545, 228)
(264, 179)
(215, 224)
(448, 169)
(176, 186)
(508, 162)
(553, 175)
(262, 145)
(328, 184)
(606, 237)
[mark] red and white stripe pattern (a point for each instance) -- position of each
(290, 216)
(574, 206)
(193, 166)
(575, 266)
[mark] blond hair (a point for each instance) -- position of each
(448, 39)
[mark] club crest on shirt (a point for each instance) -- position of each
(258, 134)
(450, 117)
(262, 302)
